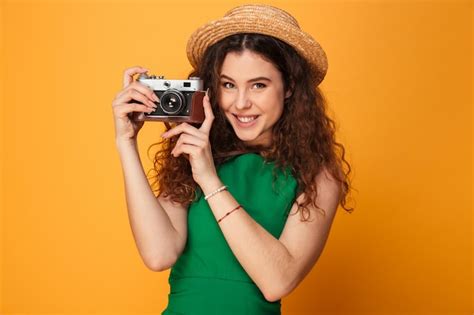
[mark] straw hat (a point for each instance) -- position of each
(262, 19)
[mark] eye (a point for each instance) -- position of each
(261, 85)
(225, 84)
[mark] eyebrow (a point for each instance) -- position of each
(223, 76)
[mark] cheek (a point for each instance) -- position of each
(225, 100)
(275, 116)
(272, 104)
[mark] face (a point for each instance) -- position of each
(251, 96)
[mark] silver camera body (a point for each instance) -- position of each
(180, 100)
(159, 83)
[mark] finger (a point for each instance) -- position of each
(190, 139)
(206, 125)
(184, 127)
(134, 95)
(142, 88)
(128, 74)
(186, 149)
(125, 109)
(131, 96)
(136, 117)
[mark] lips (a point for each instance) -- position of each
(247, 121)
(246, 118)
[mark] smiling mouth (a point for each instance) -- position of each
(246, 119)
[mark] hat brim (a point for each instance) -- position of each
(216, 30)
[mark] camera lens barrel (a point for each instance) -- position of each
(171, 101)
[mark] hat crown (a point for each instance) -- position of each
(260, 19)
(263, 11)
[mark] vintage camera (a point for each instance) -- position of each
(180, 100)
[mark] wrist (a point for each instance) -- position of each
(119, 143)
(211, 185)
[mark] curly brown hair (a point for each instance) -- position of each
(303, 137)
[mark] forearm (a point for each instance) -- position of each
(152, 229)
(264, 258)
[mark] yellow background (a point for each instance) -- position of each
(399, 85)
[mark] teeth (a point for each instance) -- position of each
(246, 119)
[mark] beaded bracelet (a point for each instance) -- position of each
(218, 190)
(239, 206)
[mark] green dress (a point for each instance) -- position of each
(207, 278)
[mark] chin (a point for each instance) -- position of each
(245, 136)
(247, 140)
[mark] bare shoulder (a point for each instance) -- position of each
(328, 198)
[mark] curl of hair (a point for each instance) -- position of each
(303, 138)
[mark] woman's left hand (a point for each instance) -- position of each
(195, 144)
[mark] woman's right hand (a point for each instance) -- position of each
(128, 115)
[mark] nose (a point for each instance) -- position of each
(242, 101)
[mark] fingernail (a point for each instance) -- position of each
(163, 135)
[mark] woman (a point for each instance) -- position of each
(266, 149)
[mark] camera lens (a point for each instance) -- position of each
(171, 101)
